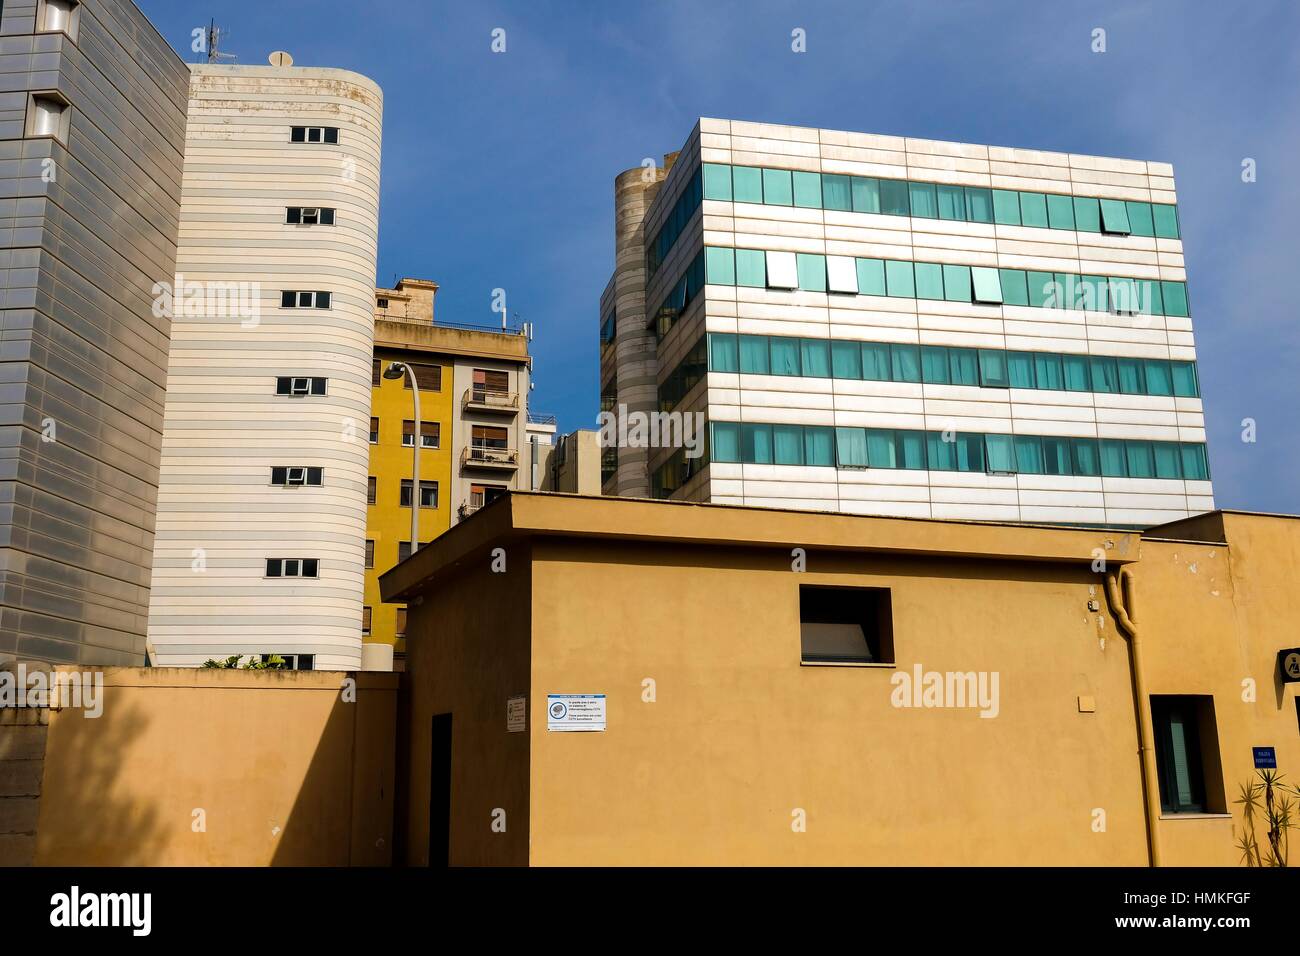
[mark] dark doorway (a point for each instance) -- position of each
(440, 792)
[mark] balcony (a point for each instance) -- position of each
(479, 399)
(489, 457)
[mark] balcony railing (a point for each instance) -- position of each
(490, 400)
(488, 456)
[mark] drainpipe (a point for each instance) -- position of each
(1117, 585)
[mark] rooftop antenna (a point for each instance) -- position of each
(215, 35)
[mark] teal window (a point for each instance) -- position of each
(899, 280)
(1033, 209)
(1056, 456)
(1006, 207)
(993, 368)
(1168, 459)
(906, 363)
(819, 446)
(911, 449)
(1001, 454)
(723, 352)
(1087, 214)
(1075, 368)
(1020, 369)
(1071, 290)
(1042, 290)
(1114, 464)
(777, 188)
(970, 452)
(747, 184)
(1087, 457)
(812, 272)
(1124, 295)
(816, 357)
(1184, 376)
(1165, 220)
(1048, 372)
(717, 182)
(1177, 723)
(988, 287)
(785, 355)
(1015, 286)
(866, 194)
(756, 444)
(1141, 461)
(934, 365)
(846, 360)
(882, 450)
(754, 357)
(725, 443)
(940, 455)
(1105, 376)
(979, 204)
(871, 276)
(751, 268)
(924, 203)
(720, 265)
(964, 366)
(1139, 219)
(1150, 302)
(1029, 454)
(808, 190)
(787, 444)
(929, 280)
(836, 193)
(893, 197)
(1114, 217)
(1096, 293)
(1060, 212)
(851, 447)
(1159, 380)
(1194, 465)
(875, 362)
(956, 283)
(952, 202)
(1175, 298)
(1130, 376)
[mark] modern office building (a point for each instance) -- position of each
(876, 324)
(474, 434)
(262, 500)
(92, 130)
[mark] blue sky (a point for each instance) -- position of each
(498, 168)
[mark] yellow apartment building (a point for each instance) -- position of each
(473, 434)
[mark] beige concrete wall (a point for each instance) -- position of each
(286, 771)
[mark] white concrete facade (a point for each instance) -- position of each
(737, 397)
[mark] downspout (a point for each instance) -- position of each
(1117, 585)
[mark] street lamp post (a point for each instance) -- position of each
(395, 371)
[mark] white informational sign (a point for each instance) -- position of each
(517, 714)
(575, 712)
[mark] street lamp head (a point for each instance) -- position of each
(395, 370)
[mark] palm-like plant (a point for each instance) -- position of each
(1269, 799)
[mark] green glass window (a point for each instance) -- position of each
(1114, 217)
(1130, 376)
(911, 449)
(1006, 207)
(987, 285)
(882, 450)
(1015, 286)
(1141, 461)
(787, 444)
(1123, 295)
(777, 188)
(970, 452)
(993, 368)
(816, 356)
(1096, 293)
(756, 444)
(723, 352)
(893, 197)
(1184, 375)
(1150, 302)
(851, 447)
(929, 280)
(934, 365)
(964, 366)
(979, 204)
(808, 190)
(1139, 219)
(751, 268)
(746, 184)
(1033, 209)
(871, 276)
(1087, 214)
(1076, 373)
(720, 265)
(1071, 290)
(846, 360)
(717, 182)
(956, 283)
(1194, 465)
(899, 280)
(1056, 456)
(1087, 458)
(725, 443)
(1020, 369)
(1060, 212)
(1105, 376)
(836, 193)
(1042, 290)
(1114, 463)
(819, 446)
(906, 363)
(1029, 454)
(1165, 220)
(875, 362)
(812, 272)
(1175, 298)
(1000, 453)
(952, 202)
(1159, 379)
(940, 455)
(1168, 459)
(754, 355)
(1048, 372)
(924, 203)
(785, 355)
(866, 194)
